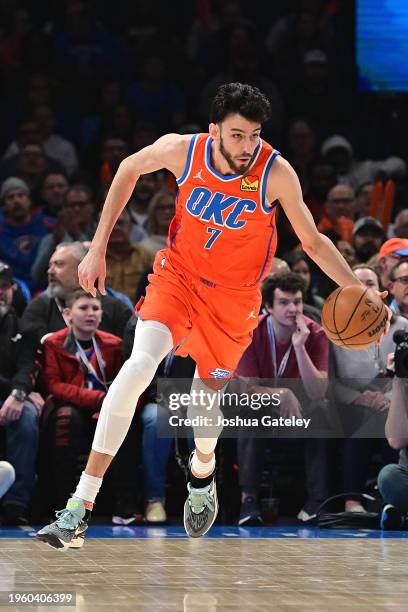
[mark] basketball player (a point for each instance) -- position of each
(204, 294)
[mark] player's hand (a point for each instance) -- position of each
(301, 333)
(91, 269)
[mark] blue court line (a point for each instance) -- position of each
(219, 532)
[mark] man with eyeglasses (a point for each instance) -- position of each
(399, 287)
(389, 255)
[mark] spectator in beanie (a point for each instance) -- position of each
(21, 229)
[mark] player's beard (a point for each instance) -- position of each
(230, 160)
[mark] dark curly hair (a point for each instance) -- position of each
(240, 98)
(285, 281)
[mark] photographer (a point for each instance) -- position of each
(393, 479)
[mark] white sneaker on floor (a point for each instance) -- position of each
(305, 517)
(155, 512)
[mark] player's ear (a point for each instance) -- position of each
(213, 130)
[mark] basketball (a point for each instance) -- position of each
(354, 317)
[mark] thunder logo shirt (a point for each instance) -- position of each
(223, 231)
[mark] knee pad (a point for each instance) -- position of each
(134, 377)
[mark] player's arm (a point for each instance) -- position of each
(283, 185)
(170, 152)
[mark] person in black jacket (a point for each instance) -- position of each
(44, 314)
(20, 406)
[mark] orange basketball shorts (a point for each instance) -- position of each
(212, 324)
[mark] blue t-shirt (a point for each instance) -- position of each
(19, 244)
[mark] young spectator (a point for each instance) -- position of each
(368, 236)
(285, 344)
(126, 261)
(21, 229)
(358, 403)
(160, 213)
(20, 406)
(45, 313)
(339, 213)
(80, 362)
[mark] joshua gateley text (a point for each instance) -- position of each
(237, 421)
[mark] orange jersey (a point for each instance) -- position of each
(223, 231)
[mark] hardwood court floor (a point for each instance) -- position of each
(213, 574)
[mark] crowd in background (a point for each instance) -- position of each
(85, 84)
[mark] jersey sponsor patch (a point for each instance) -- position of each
(250, 183)
(220, 374)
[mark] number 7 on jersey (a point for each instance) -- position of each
(214, 235)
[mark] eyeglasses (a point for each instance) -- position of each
(402, 279)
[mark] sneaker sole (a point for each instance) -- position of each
(200, 535)
(77, 542)
(52, 540)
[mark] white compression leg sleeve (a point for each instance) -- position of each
(153, 341)
(204, 401)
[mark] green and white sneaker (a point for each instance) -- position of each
(200, 509)
(68, 531)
